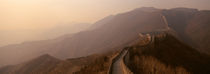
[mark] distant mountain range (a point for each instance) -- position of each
(18, 36)
(117, 31)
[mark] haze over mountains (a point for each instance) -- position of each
(20, 36)
(167, 53)
(116, 31)
(46, 64)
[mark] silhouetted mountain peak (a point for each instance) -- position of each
(46, 58)
(184, 9)
(102, 21)
(147, 9)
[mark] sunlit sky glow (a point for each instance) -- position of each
(37, 14)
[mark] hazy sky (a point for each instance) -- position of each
(24, 20)
(37, 14)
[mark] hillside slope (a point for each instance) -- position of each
(198, 30)
(39, 65)
(47, 64)
(191, 25)
(167, 55)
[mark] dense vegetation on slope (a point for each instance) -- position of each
(167, 55)
(100, 65)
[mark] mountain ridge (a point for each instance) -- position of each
(114, 32)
